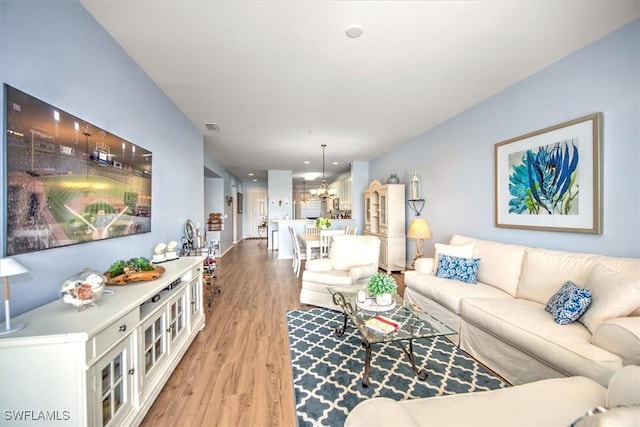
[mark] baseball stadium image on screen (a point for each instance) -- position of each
(69, 181)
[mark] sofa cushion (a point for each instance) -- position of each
(381, 411)
(627, 266)
(614, 295)
(544, 271)
(463, 269)
(447, 292)
(553, 402)
(624, 387)
(425, 265)
(328, 278)
(620, 336)
(351, 251)
(525, 325)
(462, 251)
(501, 262)
(568, 304)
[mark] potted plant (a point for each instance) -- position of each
(323, 223)
(382, 286)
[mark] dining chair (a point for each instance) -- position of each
(298, 255)
(325, 241)
(292, 235)
(347, 229)
(312, 229)
(354, 230)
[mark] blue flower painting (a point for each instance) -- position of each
(543, 180)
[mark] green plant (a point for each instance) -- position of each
(381, 283)
(323, 223)
(134, 264)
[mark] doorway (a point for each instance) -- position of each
(257, 209)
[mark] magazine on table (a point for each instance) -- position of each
(382, 324)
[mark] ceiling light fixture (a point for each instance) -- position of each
(324, 192)
(212, 127)
(354, 31)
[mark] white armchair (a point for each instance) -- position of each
(352, 260)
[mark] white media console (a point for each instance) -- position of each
(105, 365)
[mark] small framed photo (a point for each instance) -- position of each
(551, 179)
(336, 204)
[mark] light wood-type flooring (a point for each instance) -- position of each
(237, 371)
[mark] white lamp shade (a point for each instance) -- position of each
(419, 229)
(11, 267)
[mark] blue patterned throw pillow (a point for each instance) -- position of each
(569, 303)
(463, 269)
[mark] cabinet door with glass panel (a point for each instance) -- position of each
(195, 299)
(153, 345)
(383, 212)
(177, 317)
(113, 385)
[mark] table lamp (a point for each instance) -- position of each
(419, 230)
(9, 267)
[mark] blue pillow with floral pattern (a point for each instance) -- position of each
(569, 303)
(463, 269)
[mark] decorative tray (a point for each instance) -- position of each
(139, 276)
(370, 305)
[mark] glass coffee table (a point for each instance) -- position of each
(413, 324)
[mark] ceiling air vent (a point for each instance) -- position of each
(212, 127)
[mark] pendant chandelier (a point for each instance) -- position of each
(324, 192)
(303, 199)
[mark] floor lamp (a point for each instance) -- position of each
(9, 267)
(419, 230)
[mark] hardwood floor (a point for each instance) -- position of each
(237, 371)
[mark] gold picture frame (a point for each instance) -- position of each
(551, 179)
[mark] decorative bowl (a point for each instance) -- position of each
(83, 288)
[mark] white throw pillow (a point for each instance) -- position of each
(460, 251)
(613, 295)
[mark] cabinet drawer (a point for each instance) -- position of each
(114, 332)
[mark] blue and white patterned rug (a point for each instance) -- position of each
(327, 369)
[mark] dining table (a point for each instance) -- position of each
(310, 241)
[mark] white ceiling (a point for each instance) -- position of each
(280, 78)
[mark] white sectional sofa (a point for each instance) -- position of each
(573, 401)
(502, 322)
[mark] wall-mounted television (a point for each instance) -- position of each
(69, 181)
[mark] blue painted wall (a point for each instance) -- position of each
(455, 159)
(55, 51)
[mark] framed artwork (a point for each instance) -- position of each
(240, 202)
(336, 204)
(551, 179)
(69, 181)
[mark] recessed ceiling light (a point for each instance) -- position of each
(335, 163)
(213, 127)
(254, 180)
(354, 31)
(250, 173)
(306, 162)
